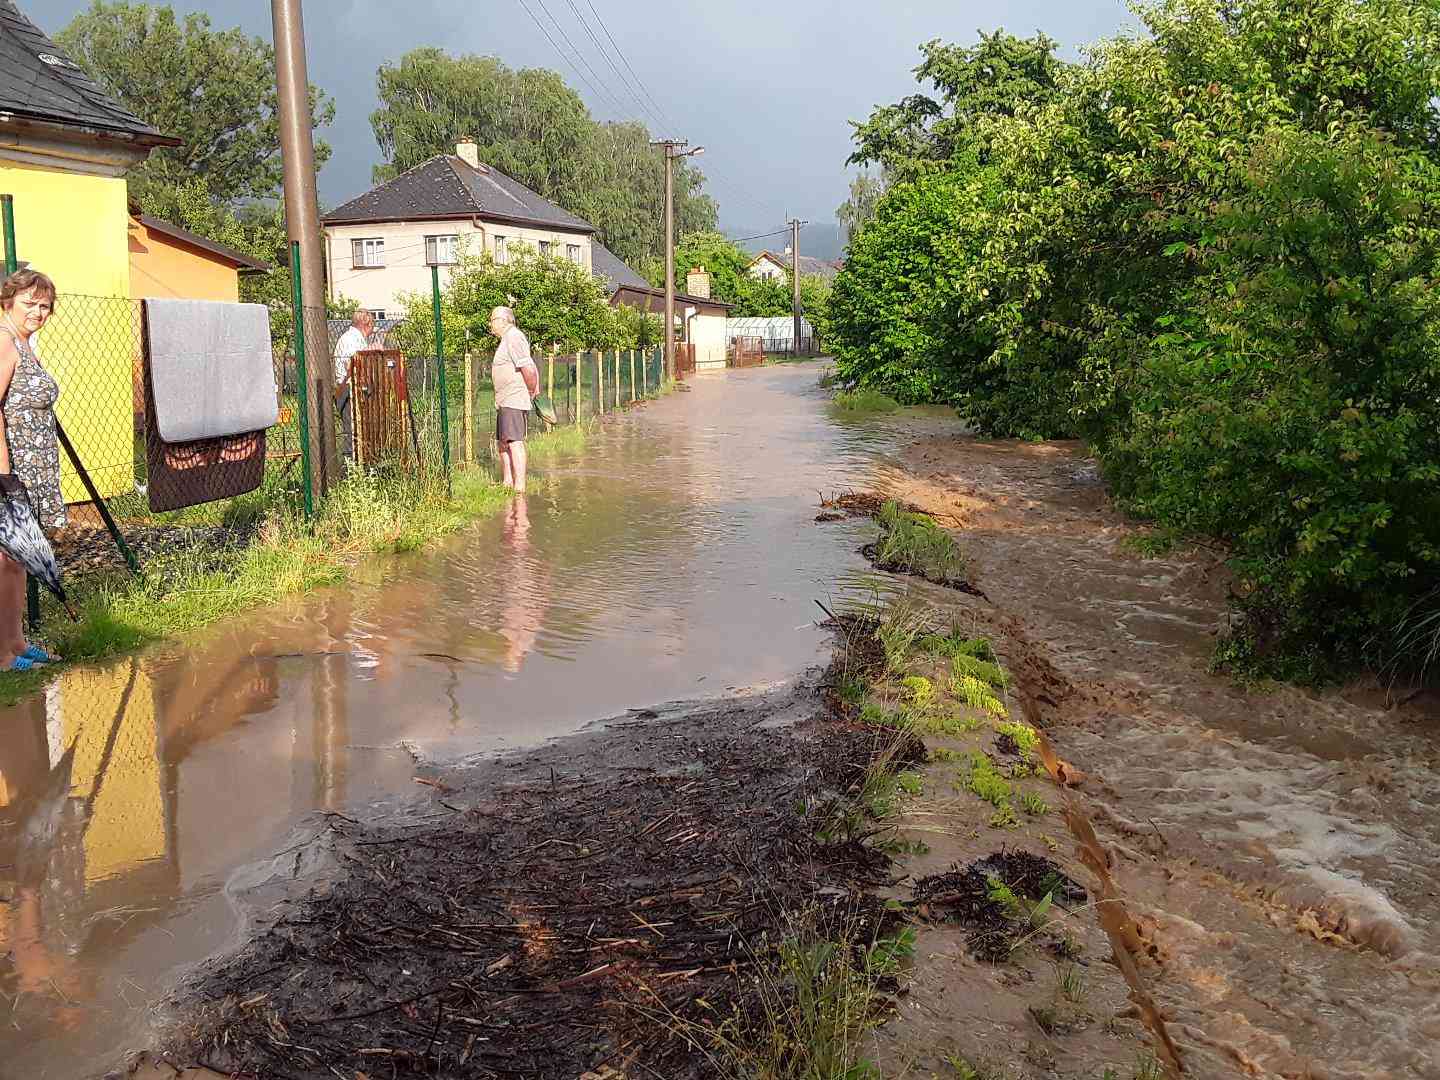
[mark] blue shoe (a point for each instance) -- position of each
(38, 655)
(24, 663)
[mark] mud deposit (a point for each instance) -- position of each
(552, 915)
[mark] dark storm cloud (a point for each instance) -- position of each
(768, 87)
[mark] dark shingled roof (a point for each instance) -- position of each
(446, 187)
(605, 264)
(808, 263)
(38, 82)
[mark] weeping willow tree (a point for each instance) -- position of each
(532, 126)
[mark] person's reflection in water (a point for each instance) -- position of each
(524, 588)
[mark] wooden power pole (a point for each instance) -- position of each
(673, 148)
(302, 220)
(795, 224)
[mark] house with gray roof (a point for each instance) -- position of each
(381, 245)
(775, 266)
(53, 115)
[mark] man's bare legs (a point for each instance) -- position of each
(518, 459)
(507, 474)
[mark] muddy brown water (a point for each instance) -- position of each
(677, 559)
(1280, 848)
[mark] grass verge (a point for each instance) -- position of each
(913, 544)
(862, 400)
(366, 514)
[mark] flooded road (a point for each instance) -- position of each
(677, 559)
(1280, 848)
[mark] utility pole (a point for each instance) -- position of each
(795, 224)
(302, 220)
(673, 148)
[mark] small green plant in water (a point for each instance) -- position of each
(978, 695)
(919, 691)
(987, 671)
(1071, 984)
(1004, 818)
(1033, 804)
(984, 780)
(850, 689)
(1024, 737)
(914, 543)
(863, 400)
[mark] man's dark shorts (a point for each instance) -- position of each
(511, 425)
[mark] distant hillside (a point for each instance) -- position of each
(821, 239)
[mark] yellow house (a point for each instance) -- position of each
(64, 148)
(168, 261)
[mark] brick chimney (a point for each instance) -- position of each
(697, 283)
(468, 151)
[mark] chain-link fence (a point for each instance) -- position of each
(386, 408)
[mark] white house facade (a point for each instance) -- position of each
(381, 246)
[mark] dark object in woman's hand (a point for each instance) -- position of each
(10, 484)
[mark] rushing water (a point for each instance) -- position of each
(1281, 848)
(677, 559)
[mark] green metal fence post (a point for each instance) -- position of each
(12, 263)
(302, 379)
(7, 203)
(440, 358)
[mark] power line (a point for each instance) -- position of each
(759, 236)
(563, 55)
(600, 49)
(663, 116)
(607, 95)
(581, 57)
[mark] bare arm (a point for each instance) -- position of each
(9, 357)
(531, 374)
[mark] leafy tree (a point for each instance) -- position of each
(1000, 76)
(214, 89)
(1213, 250)
(729, 281)
(259, 230)
(859, 207)
(530, 125)
(557, 303)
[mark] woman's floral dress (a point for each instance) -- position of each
(29, 409)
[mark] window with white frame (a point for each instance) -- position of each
(442, 250)
(572, 252)
(378, 314)
(502, 249)
(367, 254)
(544, 247)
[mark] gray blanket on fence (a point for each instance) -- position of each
(211, 369)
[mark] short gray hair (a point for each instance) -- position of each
(505, 313)
(362, 315)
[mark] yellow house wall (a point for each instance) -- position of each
(161, 268)
(109, 719)
(73, 227)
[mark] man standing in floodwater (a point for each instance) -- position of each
(515, 378)
(356, 338)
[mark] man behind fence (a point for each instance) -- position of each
(357, 337)
(516, 378)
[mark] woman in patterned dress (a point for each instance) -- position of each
(29, 449)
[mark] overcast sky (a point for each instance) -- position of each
(767, 86)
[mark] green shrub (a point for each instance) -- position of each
(1213, 249)
(863, 401)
